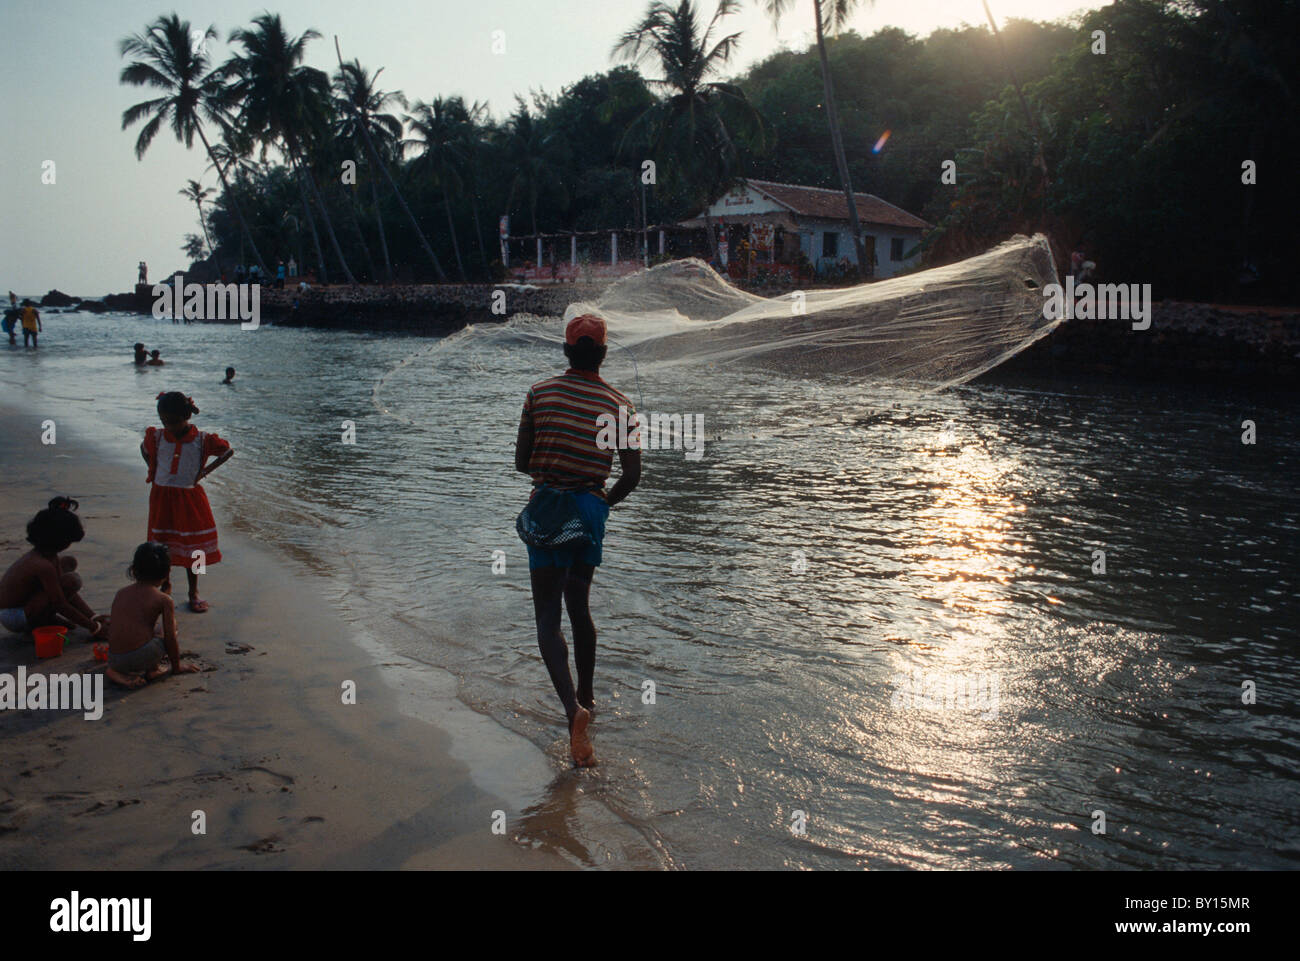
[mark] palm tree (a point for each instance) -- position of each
(359, 102)
(528, 151)
(171, 59)
(830, 17)
(697, 123)
(195, 191)
(284, 104)
(374, 155)
(439, 137)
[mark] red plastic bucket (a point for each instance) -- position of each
(49, 640)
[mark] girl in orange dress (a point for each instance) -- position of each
(179, 513)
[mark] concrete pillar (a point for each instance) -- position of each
(573, 250)
(539, 253)
(613, 249)
(661, 243)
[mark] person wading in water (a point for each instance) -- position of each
(562, 446)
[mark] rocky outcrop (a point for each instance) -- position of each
(94, 306)
(57, 298)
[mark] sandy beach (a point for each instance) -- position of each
(286, 775)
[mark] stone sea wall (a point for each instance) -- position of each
(1187, 343)
(441, 308)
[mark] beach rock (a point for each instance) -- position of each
(94, 306)
(57, 298)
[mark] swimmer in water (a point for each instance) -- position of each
(154, 360)
(141, 355)
(230, 376)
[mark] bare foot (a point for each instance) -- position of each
(162, 670)
(125, 680)
(589, 702)
(196, 605)
(584, 755)
(189, 669)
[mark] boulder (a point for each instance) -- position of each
(94, 306)
(57, 298)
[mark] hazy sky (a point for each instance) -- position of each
(62, 101)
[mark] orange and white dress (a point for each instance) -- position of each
(179, 513)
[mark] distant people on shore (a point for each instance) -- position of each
(230, 376)
(279, 276)
(154, 360)
(31, 321)
(179, 513)
(13, 299)
(141, 355)
(254, 274)
(143, 277)
(293, 267)
(563, 523)
(239, 273)
(10, 324)
(42, 588)
(136, 654)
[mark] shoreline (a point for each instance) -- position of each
(286, 774)
(1187, 342)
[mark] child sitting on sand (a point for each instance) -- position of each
(135, 652)
(41, 588)
(179, 513)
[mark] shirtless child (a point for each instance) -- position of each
(135, 652)
(41, 588)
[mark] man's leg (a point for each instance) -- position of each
(548, 589)
(577, 595)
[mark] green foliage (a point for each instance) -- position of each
(1143, 146)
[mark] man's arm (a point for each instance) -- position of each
(524, 443)
(630, 462)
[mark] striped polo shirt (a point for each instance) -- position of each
(562, 413)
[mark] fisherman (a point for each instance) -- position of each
(560, 446)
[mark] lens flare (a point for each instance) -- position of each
(880, 144)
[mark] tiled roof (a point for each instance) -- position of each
(830, 204)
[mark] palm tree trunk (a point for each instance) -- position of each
(311, 222)
(365, 247)
(451, 228)
(478, 232)
(383, 238)
(329, 224)
(837, 144)
(204, 224)
(234, 201)
(374, 155)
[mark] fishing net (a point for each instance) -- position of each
(941, 327)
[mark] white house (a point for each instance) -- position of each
(780, 221)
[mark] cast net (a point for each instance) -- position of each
(941, 327)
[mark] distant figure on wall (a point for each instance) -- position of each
(144, 273)
(279, 276)
(293, 267)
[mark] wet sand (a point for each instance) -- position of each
(286, 774)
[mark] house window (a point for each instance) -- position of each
(830, 244)
(896, 249)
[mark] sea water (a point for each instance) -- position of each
(871, 626)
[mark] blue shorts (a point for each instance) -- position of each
(594, 513)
